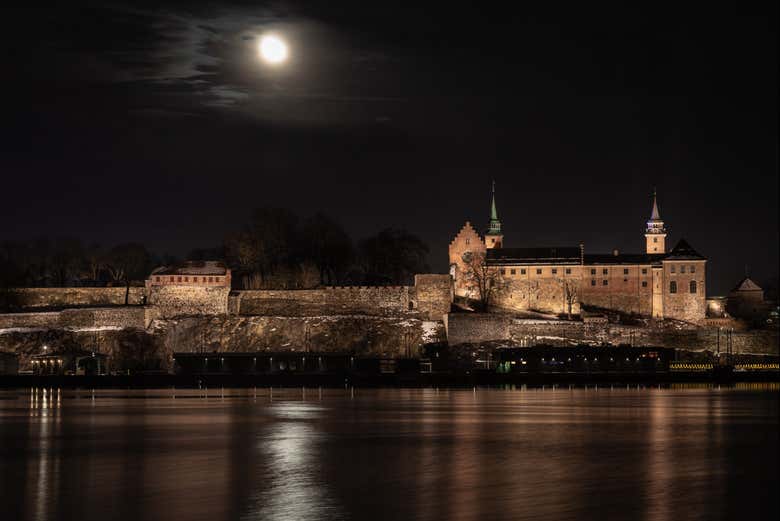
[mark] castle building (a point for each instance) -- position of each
(558, 280)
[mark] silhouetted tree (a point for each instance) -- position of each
(128, 262)
(483, 281)
(326, 244)
(392, 257)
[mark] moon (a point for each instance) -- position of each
(273, 49)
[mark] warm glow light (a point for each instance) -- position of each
(273, 49)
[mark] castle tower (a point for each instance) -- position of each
(493, 236)
(655, 234)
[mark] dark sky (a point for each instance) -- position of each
(160, 124)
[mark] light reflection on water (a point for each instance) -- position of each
(691, 452)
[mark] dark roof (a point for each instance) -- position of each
(683, 251)
(623, 258)
(746, 284)
(193, 268)
(564, 255)
(77, 352)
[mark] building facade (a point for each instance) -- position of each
(560, 280)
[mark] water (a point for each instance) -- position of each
(606, 453)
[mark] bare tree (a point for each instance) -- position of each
(484, 282)
(570, 294)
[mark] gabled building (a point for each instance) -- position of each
(655, 283)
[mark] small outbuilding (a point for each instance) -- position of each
(79, 362)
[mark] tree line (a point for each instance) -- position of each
(274, 249)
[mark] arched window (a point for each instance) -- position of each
(673, 287)
(693, 286)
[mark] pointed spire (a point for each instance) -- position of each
(493, 212)
(655, 216)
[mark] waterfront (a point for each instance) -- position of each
(612, 452)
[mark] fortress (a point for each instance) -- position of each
(656, 283)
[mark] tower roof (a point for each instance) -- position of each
(656, 215)
(494, 225)
(684, 251)
(747, 284)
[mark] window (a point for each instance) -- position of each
(593, 271)
(682, 269)
(186, 279)
(693, 269)
(178, 279)
(468, 241)
(538, 271)
(625, 271)
(492, 241)
(502, 271)
(604, 282)
(625, 280)
(644, 271)
(211, 279)
(673, 287)
(171, 279)
(644, 283)
(512, 271)
(522, 271)
(592, 282)
(158, 279)
(194, 279)
(693, 286)
(655, 239)
(568, 271)
(673, 269)
(216, 278)
(555, 271)
(605, 271)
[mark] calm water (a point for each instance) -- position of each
(650, 454)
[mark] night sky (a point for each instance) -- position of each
(160, 124)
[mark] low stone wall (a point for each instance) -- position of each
(475, 328)
(433, 295)
(31, 298)
(80, 319)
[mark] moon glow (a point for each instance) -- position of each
(273, 50)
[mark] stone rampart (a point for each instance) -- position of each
(174, 301)
(119, 317)
(475, 328)
(348, 300)
(31, 298)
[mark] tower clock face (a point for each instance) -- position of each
(467, 256)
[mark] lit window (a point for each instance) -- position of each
(468, 241)
(673, 287)
(693, 286)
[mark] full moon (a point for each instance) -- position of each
(273, 49)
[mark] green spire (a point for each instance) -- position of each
(494, 226)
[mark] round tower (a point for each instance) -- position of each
(494, 238)
(655, 233)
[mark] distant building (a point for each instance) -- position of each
(191, 273)
(746, 301)
(655, 283)
(189, 288)
(70, 363)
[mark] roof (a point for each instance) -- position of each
(623, 258)
(747, 284)
(193, 268)
(555, 255)
(683, 251)
(655, 216)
